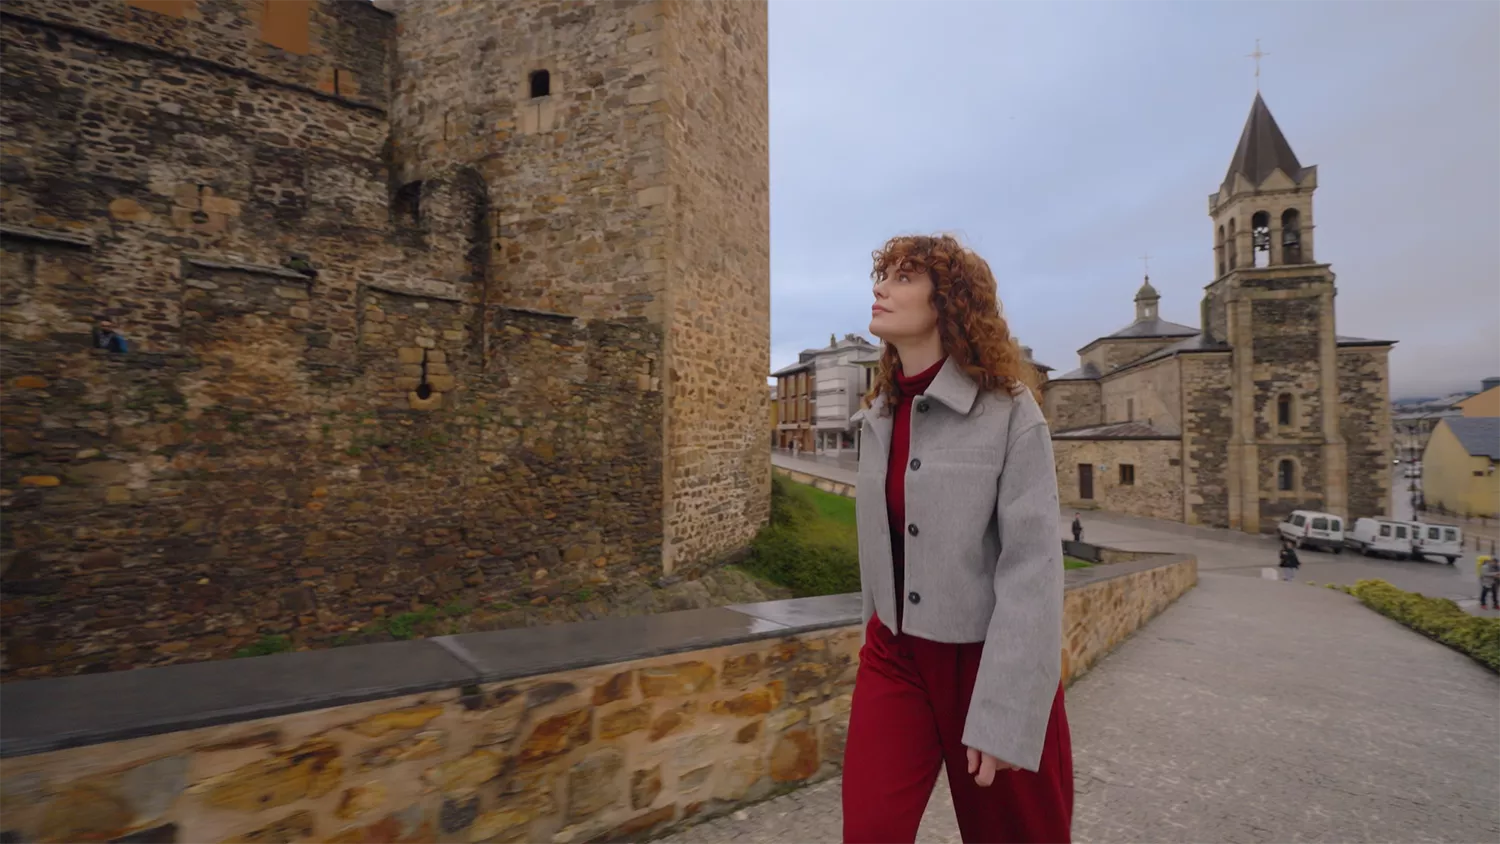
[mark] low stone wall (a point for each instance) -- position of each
(1104, 604)
(1101, 554)
(835, 487)
(611, 729)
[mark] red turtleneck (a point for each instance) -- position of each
(895, 475)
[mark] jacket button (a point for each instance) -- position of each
(914, 598)
(922, 407)
(912, 529)
(915, 464)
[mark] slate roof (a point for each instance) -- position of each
(1195, 343)
(1480, 435)
(1361, 341)
(1151, 328)
(1116, 431)
(1263, 149)
(1087, 372)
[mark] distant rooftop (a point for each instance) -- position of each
(1480, 435)
(1116, 431)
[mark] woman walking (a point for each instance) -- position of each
(961, 567)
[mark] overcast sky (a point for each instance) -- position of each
(1065, 140)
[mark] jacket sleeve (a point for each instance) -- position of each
(1021, 665)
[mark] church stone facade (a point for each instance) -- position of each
(425, 302)
(1260, 410)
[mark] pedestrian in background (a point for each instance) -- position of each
(1289, 561)
(1489, 581)
(1077, 528)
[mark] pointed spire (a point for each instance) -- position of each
(1262, 149)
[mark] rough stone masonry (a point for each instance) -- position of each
(438, 301)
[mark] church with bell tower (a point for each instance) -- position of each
(1263, 408)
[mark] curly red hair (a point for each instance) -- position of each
(973, 331)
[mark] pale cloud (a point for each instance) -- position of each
(1063, 140)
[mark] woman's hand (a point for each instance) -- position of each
(986, 765)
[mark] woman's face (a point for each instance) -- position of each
(903, 309)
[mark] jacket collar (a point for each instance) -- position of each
(954, 388)
(951, 386)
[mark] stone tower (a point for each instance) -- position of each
(1274, 306)
(456, 301)
(624, 150)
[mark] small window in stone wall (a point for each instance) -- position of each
(1286, 476)
(1284, 410)
(1127, 474)
(406, 207)
(541, 84)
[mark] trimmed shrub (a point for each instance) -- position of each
(1436, 618)
(810, 545)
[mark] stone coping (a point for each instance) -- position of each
(39, 716)
(1079, 578)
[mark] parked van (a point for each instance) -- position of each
(1446, 541)
(1311, 529)
(1383, 537)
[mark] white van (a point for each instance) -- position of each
(1309, 528)
(1384, 537)
(1446, 541)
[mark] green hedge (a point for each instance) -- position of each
(810, 545)
(1438, 618)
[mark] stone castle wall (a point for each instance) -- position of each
(339, 403)
(576, 178)
(718, 462)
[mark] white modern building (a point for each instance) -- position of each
(840, 382)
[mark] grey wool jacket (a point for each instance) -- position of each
(983, 550)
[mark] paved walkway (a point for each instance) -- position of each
(844, 470)
(1251, 710)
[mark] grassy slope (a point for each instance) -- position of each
(811, 545)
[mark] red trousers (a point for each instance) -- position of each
(907, 720)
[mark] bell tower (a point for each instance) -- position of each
(1273, 304)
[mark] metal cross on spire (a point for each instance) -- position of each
(1146, 264)
(1257, 55)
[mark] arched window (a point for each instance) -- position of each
(1233, 246)
(541, 83)
(1284, 410)
(1260, 239)
(1291, 236)
(1286, 476)
(1219, 250)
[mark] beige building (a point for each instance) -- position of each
(794, 415)
(1261, 409)
(1461, 467)
(1484, 403)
